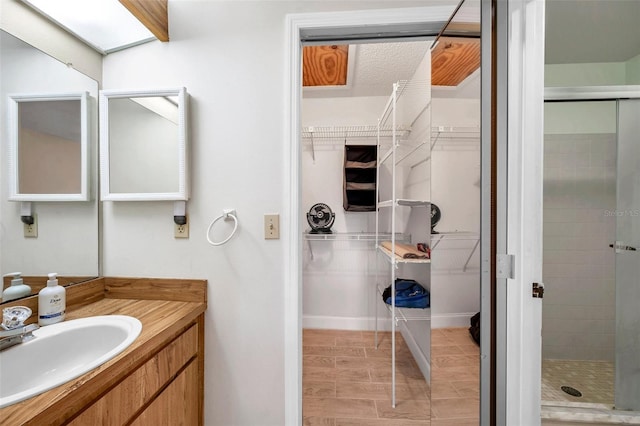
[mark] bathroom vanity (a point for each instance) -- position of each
(159, 379)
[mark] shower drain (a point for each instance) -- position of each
(571, 391)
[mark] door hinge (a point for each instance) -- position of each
(504, 266)
(537, 291)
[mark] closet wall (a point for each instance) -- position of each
(337, 279)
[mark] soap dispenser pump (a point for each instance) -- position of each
(51, 302)
(17, 289)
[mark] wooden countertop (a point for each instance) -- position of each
(162, 321)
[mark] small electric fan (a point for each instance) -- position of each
(320, 218)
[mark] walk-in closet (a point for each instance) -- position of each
(391, 194)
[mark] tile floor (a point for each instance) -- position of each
(347, 382)
(455, 378)
(594, 379)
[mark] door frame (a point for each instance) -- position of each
(518, 95)
(516, 82)
(612, 93)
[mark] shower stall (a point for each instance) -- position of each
(591, 266)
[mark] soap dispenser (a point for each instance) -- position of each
(51, 302)
(17, 289)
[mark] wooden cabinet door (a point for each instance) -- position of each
(121, 403)
(177, 405)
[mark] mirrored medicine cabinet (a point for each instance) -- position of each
(143, 145)
(48, 147)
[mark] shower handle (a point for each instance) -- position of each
(620, 246)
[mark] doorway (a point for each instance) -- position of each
(358, 364)
(294, 313)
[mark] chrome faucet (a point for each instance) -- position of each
(13, 331)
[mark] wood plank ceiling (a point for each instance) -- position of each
(453, 60)
(325, 65)
(153, 14)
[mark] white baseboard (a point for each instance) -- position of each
(451, 320)
(368, 323)
(345, 323)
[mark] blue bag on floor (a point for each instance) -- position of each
(409, 294)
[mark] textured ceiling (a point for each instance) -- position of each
(379, 64)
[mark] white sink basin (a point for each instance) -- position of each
(62, 352)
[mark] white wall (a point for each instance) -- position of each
(632, 70)
(337, 281)
(230, 57)
(593, 74)
(18, 19)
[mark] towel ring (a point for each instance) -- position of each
(226, 215)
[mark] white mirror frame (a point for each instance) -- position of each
(14, 100)
(182, 156)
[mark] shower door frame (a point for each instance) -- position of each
(596, 93)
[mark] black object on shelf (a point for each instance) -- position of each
(435, 217)
(359, 189)
(320, 218)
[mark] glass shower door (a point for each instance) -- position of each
(627, 258)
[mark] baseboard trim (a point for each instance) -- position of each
(368, 323)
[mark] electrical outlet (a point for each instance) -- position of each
(271, 227)
(31, 231)
(181, 231)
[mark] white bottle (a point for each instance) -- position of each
(51, 302)
(17, 289)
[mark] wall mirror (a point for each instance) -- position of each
(48, 147)
(143, 145)
(67, 240)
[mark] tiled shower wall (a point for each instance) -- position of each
(579, 224)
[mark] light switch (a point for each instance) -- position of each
(271, 226)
